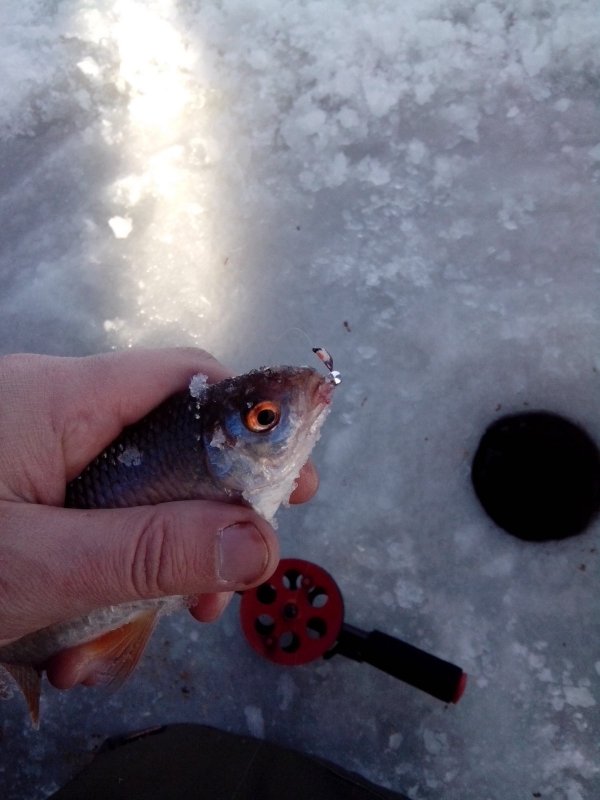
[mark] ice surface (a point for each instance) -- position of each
(255, 721)
(413, 185)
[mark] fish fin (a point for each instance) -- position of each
(29, 682)
(114, 655)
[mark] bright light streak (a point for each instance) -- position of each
(158, 205)
(153, 59)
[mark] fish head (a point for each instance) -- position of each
(259, 428)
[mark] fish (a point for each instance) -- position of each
(243, 440)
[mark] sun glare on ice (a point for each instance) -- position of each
(159, 202)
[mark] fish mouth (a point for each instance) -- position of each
(322, 392)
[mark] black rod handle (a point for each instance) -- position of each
(422, 670)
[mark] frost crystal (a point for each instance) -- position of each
(198, 385)
(130, 457)
(218, 438)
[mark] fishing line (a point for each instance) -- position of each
(323, 355)
(278, 340)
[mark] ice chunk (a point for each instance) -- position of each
(130, 457)
(89, 67)
(380, 94)
(198, 385)
(563, 104)
(579, 696)
(395, 741)
(255, 721)
(121, 226)
(435, 742)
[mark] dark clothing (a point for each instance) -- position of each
(194, 762)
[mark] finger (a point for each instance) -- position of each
(209, 607)
(74, 407)
(81, 560)
(308, 483)
(97, 396)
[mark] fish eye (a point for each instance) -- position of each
(262, 417)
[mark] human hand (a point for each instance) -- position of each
(56, 564)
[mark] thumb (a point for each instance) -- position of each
(62, 563)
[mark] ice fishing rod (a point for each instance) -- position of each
(297, 616)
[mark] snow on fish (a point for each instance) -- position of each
(243, 440)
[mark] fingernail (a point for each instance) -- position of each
(243, 553)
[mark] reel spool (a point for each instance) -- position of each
(298, 616)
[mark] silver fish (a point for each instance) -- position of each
(243, 440)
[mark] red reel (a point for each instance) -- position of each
(296, 616)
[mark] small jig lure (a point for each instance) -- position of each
(324, 356)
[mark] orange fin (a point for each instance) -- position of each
(112, 657)
(29, 682)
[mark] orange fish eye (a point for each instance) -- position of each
(263, 416)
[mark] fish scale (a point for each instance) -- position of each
(153, 461)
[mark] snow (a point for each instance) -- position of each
(255, 721)
(415, 187)
(120, 226)
(130, 457)
(198, 385)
